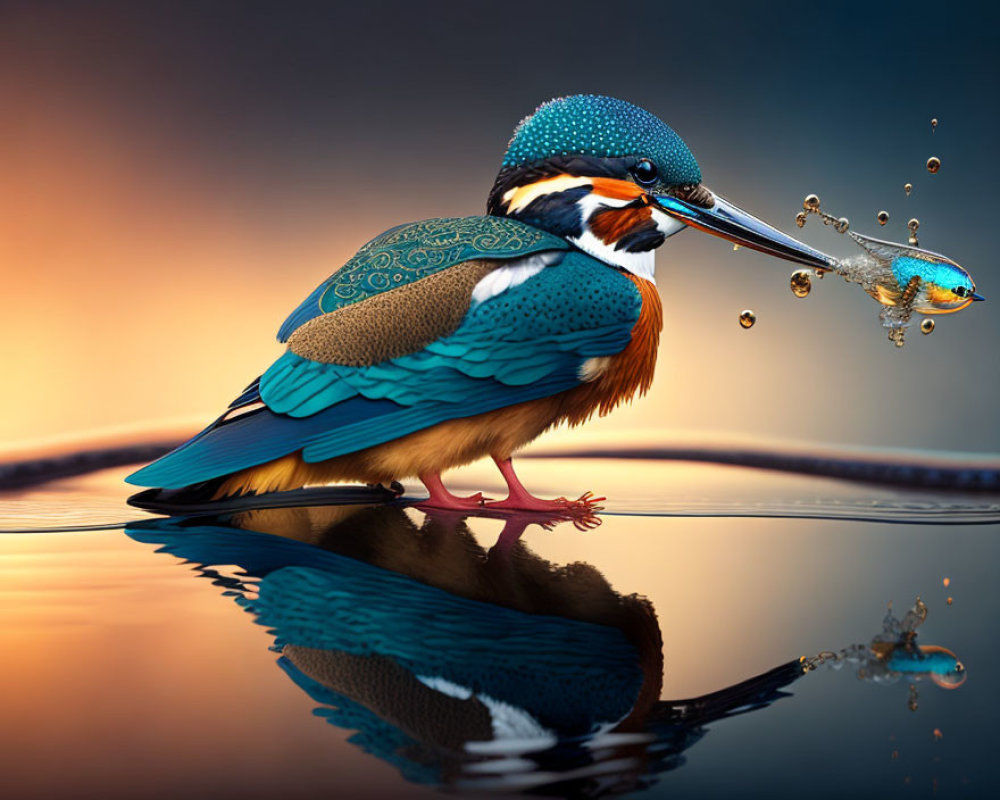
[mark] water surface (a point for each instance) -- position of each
(383, 652)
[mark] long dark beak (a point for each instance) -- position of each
(722, 218)
(977, 296)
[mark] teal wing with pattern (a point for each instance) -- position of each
(409, 252)
(528, 342)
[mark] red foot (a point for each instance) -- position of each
(522, 501)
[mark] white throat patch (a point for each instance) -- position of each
(641, 264)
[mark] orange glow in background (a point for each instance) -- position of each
(148, 257)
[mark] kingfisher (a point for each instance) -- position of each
(444, 341)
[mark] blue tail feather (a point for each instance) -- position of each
(260, 436)
(246, 441)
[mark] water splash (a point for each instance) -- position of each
(893, 655)
(801, 282)
(902, 278)
(811, 205)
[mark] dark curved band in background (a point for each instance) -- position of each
(929, 473)
(32, 472)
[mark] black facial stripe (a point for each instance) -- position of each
(576, 166)
(557, 212)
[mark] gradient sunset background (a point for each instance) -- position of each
(177, 177)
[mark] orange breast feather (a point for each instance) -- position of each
(629, 371)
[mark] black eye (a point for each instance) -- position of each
(644, 171)
(961, 291)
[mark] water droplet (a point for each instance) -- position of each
(927, 326)
(948, 601)
(937, 734)
(907, 187)
(800, 219)
(894, 755)
(811, 202)
(747, 318)
(933, 124)
(842, 224)
(933, 164)
(882, 217)
(801, 282)
(736, 247)
(913, 224)
(947, 581)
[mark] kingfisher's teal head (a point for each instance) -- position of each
(616, 181)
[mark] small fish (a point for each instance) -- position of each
(945, 287)
(905, 280)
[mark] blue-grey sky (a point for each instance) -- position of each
(251, 147)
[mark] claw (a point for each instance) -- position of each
(586, 502)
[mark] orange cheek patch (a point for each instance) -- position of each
(612, 224)
(617, 190)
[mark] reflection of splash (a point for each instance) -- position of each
(488, 670)
(894, 655)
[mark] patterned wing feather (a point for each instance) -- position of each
(524, 344)
(407, 253)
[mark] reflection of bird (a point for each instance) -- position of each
(447, 340)
(473, 669)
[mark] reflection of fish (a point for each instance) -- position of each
(490, 671)
(941, 285)
(935, 663)
(893, 655)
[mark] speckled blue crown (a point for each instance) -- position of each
(587, 124)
